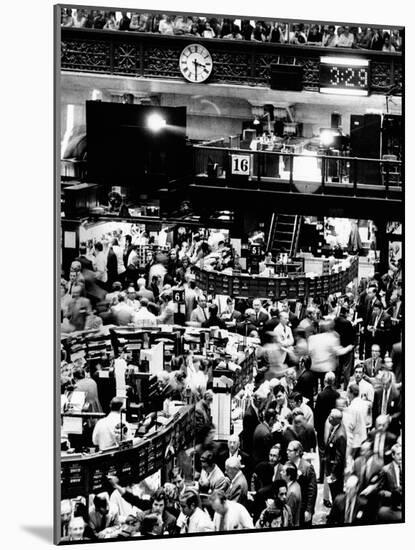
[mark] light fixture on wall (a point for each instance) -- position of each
(155, 122)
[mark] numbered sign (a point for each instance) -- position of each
(241, 165)
(178, 296)
(256, 250)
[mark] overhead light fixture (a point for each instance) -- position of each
(256, 121)
(344, 91)
(155, 122)
(345, 61)
(327, 137)
(96, 95)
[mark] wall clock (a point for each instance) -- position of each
(196, 63)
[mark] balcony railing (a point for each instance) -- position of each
(299, 173)
(148, 55)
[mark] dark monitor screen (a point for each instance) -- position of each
(126, 143)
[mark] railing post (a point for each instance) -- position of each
(387, 179)
(259, 162)
(323, 173)
(291, 173)
(354, 164)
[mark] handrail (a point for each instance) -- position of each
(279, 153)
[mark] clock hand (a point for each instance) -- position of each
(195, 64)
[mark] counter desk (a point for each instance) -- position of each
(84, 474)
(299, 287)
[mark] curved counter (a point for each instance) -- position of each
(299, 287)
(83, 474)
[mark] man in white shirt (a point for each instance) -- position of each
(143, 317)
(346, 39)
(284, 334)
(366, 391)
(131, 300)
(192, 518)
(229, 515)
(104, 434)
(354, 419)
(201, 313)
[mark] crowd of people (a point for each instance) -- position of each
(321, 425)
(389, 40)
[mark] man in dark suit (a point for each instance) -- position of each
(364, 310)
(203, 415)
(382, 440)
(380, 328)
(83, 260)
(301, 431)
(367, 467)
(374, 363)
(233, 449)
(391, 475)
(250, 421)
(396, 357)
(305, 381)
(325, 402)
(238, 489)
(262, 439)
(387, 401)
(335, 453)
(349, 508)
(307, 481)
(257, 318)
(346, 332)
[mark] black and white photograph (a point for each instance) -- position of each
(230, 274)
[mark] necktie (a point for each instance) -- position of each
(204, 313)
(256, 316)
(348, 512)
(222, 523)
(384, 402)
(186, 525)
(400, 477)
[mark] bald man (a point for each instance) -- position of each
(238, 489)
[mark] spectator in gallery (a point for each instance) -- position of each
(246, 29)
(315, 36)
(346, 38)
(135, 22)
(67, 19)
(208, 31)
(376, 42)
(80, 18)
(166, 25)
(258, 34)
(396, 40)
(387, 43)
(100, 20)
(330, 39)
(124, 23)
(111, 23)
(297, 35)
(276, 34)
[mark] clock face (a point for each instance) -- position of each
(196, 63)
